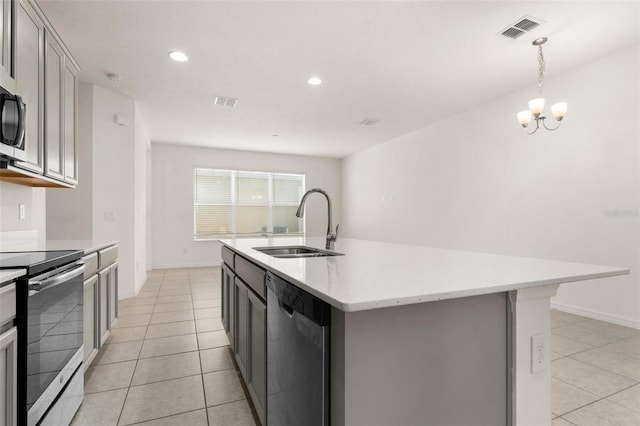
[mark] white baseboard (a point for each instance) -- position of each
(615, 319)
(128, 295)
(186, 265)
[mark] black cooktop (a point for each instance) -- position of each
(36, 262)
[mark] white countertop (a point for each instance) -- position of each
(89, 246)
(11, 274)
(373, 275)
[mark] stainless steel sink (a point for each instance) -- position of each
(293, 252)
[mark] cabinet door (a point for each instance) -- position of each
(29, 70)
(70, 101)
(91, 320)
(53, 138)
(113, 294)
(8, 377)
(103, 296)
(226, 287)
(242, 326)
(228, 304)
(257, 381)
(6, 46)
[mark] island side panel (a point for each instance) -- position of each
(532, 389)
(440, 363)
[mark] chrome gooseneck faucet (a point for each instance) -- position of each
(331, 236)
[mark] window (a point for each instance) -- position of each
(237, 203)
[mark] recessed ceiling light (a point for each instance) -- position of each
(314, 81)
(178, 56)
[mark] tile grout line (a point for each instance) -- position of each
(591, 348)
(598, 400)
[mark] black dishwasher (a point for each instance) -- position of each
(297, 356)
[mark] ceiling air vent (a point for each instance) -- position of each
(520, 27)
(225, 101)
(369, 121)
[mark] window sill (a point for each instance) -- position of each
(225, 237)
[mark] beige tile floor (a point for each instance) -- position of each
(595, 372)
(168, 362)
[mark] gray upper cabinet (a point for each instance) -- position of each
(53, 120)
(70, 111)
(6, 46)
(60, 113)
(29, 71)
(46, 78)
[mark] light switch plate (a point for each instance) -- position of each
(22, 212)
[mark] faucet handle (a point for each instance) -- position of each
(337, 230)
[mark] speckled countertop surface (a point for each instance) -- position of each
(373, 275)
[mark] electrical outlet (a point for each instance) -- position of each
(22, 212)
(539, 353)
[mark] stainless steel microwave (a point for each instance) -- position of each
(12, 125)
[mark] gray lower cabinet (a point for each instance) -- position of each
(257, 380)
(8, 356)
(8, 376)
(103, 305)
(228, 303)
(91, 341)
(244, 316)
(241, 348)
(107, 281)
(100, 299)
(113, 295)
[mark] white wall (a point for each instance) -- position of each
(118, 171)
(142, 145)
(172, 187)
(112, 179)
(474, 181)
(34, 199)
(68, 210)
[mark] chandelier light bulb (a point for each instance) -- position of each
(536, 106)
(559, 110)
(524, 118)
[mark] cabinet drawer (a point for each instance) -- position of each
(107, 256)
(90, 264)
(252, 275)
(227, 256)
(7, 303)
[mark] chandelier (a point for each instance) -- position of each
(536, 106)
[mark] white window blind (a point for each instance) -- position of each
(241, 203)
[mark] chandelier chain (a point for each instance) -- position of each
(541, 67)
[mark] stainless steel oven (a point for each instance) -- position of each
(49, 319)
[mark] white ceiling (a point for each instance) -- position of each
(406, 64)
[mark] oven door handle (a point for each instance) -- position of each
(38, 286)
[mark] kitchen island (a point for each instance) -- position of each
(423, 335)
